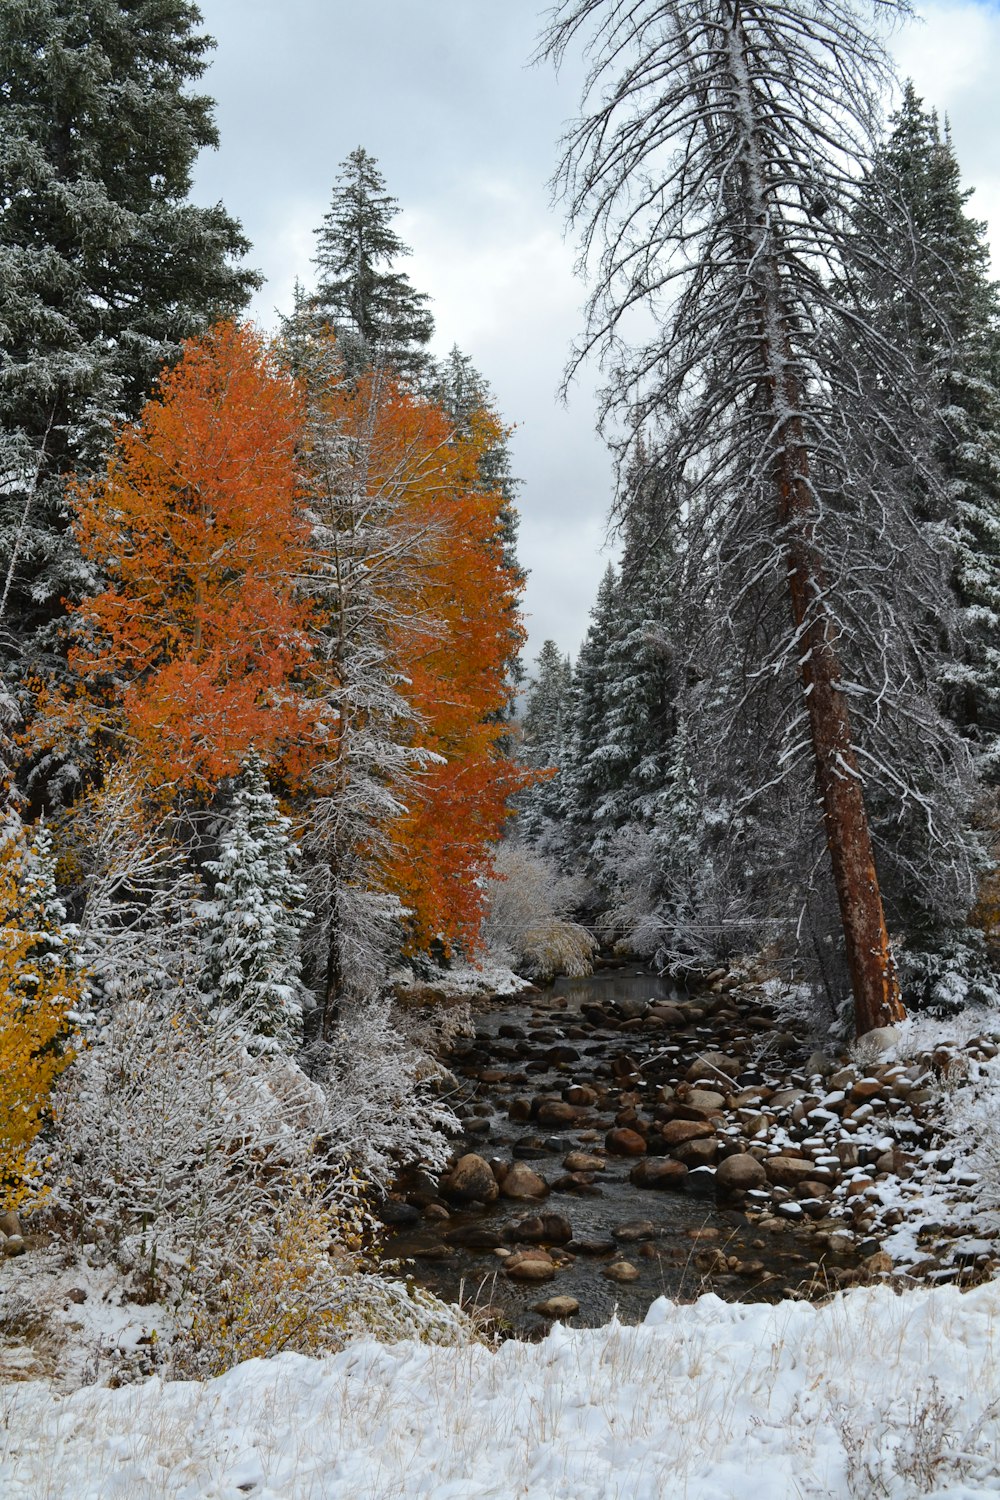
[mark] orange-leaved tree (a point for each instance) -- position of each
(191, 652)
(451, 598)
(39, 985)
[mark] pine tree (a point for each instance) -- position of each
(925, 282)
(105, 267)
(713, 171)
(255, 920)
(546, 727)
(373, 309)
(591, 764)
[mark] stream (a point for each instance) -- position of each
(596, 1036)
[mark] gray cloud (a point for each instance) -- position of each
(440, 92)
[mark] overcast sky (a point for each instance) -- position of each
(466, 134)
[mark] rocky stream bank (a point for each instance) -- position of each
(623, 1140)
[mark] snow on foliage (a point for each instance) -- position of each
(380, 1097)
(527, 922)
(255, 920)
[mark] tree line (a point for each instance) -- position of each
(781, 730)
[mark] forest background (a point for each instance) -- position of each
(261, 640)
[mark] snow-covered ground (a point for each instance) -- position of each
(873, 1394)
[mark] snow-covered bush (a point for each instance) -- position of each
(135, 892)
(527, 923)
(175, 1142)
(308, 1295)
(382, 1108)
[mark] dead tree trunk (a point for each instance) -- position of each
(870, 961)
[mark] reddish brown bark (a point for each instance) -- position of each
(874, 979)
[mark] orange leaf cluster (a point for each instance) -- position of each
(36, 994)
(450, 642)
(197, 524)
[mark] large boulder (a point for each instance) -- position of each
(710, 1065)
(658, 1172)
(470, 1180)
(741, 1173)
(788, 1171)
(676, 1132)
(521, 1182)
(624, 1142)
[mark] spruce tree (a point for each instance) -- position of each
(547, 723)
(925, 282)
(255, 920)
(105, 266)
(375, 312)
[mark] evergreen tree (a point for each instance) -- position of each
(256, 918)
(592, 769)
(105, 267)
(373, 309)
(547, 723)
(925, 282)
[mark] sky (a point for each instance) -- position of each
(466, 134)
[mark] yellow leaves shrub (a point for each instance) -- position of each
(39, 985)
(284, 1296)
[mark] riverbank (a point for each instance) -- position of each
(873, 1394)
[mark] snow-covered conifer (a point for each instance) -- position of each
(105, 266)
(255, 920)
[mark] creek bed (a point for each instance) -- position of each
(689, 1241)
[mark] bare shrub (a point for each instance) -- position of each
(527, 922)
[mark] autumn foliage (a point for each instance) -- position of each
(192, 649)
(262, 541)
(38, 988)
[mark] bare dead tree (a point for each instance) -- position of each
(712, 173)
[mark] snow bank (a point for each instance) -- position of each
(871, 1394)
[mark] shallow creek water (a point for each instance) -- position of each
(538, 1046)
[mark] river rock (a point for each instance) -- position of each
(658, 1172)
(631, 1009)
(522, 1182)
(788, 1171)
(474, 1237)
(582, 1161)
(741, 1173)
(557, 1307)
(548, 1229)
(709, 1065)
(624, 1142)
(470, 1180)
(676, 1132)
(10, 1224)
(621, 1271)
(701, 1153)
(555, 1112)
(581, 1095)
(530, 1265)
(705, 1099)
(13, 1245)
(393, 1211)
(634, 1230)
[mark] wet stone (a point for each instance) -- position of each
(624, 1142)
(622, 1271)
(634, 1230)
(658, 1172)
